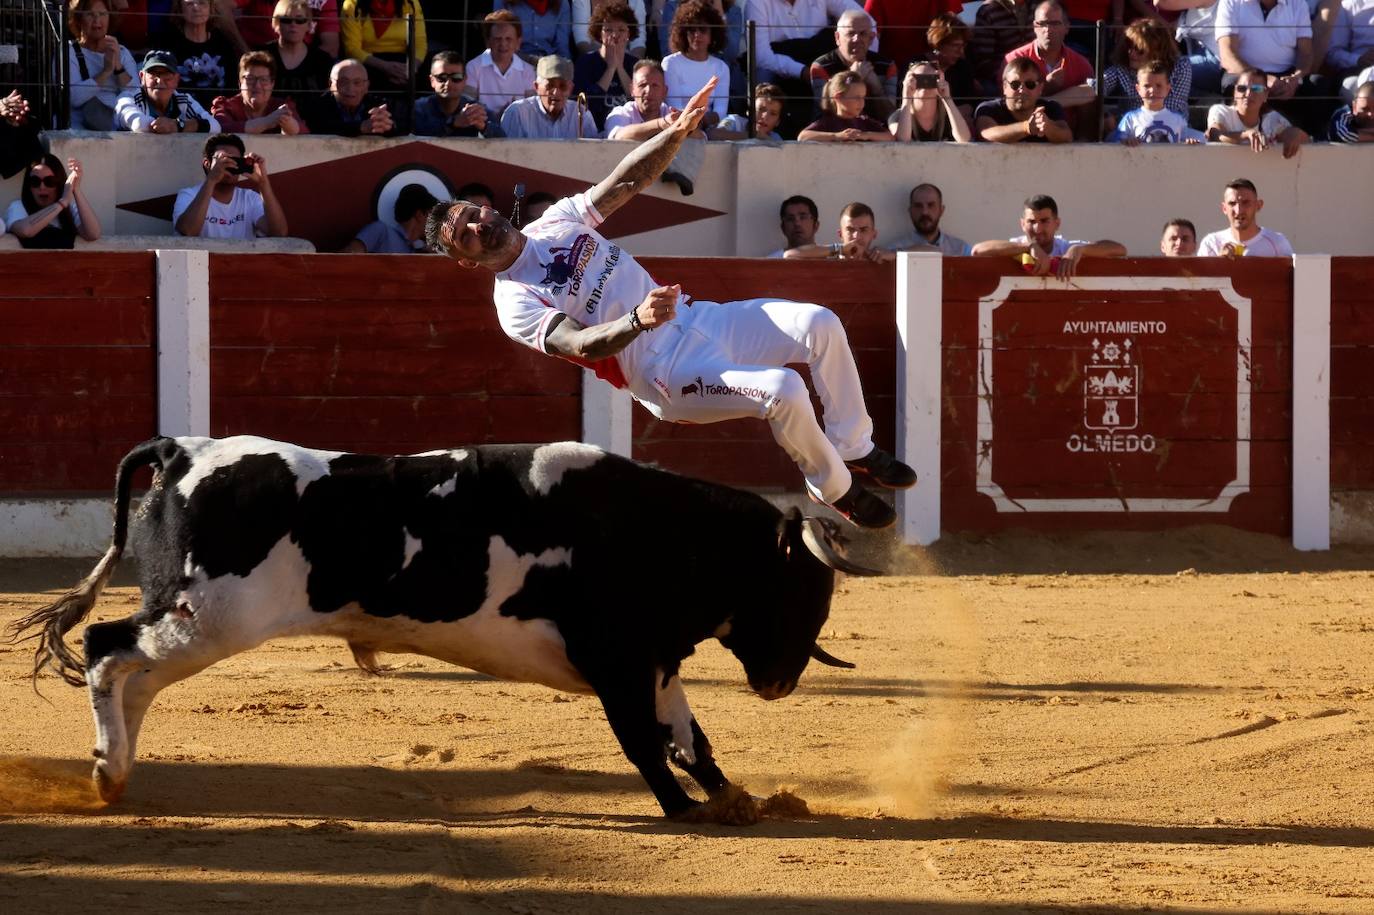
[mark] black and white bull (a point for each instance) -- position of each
(555, 564)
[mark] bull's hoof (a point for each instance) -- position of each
(730, 806)
(108, 789)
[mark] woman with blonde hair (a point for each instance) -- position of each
(302, 70)
(928, 111)
(1143, 41)
(843, 120)
(100, 67)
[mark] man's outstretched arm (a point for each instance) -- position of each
(647, 162)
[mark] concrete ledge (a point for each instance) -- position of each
(55, 528)
(10, 242)
(1352, 517)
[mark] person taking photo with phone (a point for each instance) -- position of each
(234, 201)
(928, 111)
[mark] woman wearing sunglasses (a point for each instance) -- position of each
(302, 69)
(51, 210)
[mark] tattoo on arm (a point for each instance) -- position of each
(569, 337)
(641, 168)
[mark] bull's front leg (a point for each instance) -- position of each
(629, 699)
(688, 747)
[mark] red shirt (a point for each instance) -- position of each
(1075, 66)
(1090, 10)
(902, 26)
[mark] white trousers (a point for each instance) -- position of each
(722, 361)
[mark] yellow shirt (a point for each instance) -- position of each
(360, 39)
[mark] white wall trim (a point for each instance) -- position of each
(183, 342)
(46, 528)
(990, 303)
(1312, 401)
(606, 419)
(920, 334)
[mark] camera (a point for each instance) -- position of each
(241, 166)
(927, 80)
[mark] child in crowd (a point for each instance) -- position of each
(1152, 122)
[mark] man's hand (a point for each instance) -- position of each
(473, 114)
(1068, 262)
(1258, 142)
(659, 306)
(219, 167)
(1043, 261)
(258, 179)
(378, 121)
(696, 108)
(1283, 87)
(286, 121)
(13, 108)
(163, 125)
(1292, 138)
(865, 71)
(1035, 125)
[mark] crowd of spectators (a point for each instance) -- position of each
(1270, 74)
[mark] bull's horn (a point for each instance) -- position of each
(825, 657)
(819, 542)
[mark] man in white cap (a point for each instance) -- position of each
(547, 114)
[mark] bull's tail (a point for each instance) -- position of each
(50, 624)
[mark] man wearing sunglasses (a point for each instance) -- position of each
(1247, 122)
(449, 112)
(156, 106)
(1021, 116)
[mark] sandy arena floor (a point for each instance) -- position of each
(1179, 723)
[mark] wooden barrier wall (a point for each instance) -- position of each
(77, 367)
(1352, 373)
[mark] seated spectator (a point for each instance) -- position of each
(100, 67)
(858, 234)
(998, 27)
(604, 75)
(234, 201)
(1249, 122)
(1243, 236)
(697, 36)
(903, 27)
(51, 210)
(1354, 123)
(257, 25)
(853, 34)
(926, 207)
(407, 234)
(1065, 72)
(730, 11)
(547, 115)
(373, 32)
(499, 75)
(928, 111)
(477, 194)
(449, 112)
(348, 109)
(206, 42)
(302, 70)
(156, 106)
(844, 120)
(536, 204)
(583, 14)
(545, 27)
(647, 115)
(790, 34)
(1152, 122)
(19, 141)
(1179, 239)
(799, 220)
(1147, 40)
(1020, 116)
(768, 103)
(1040, 248)
(1351, 49)
(1274, 38)
(255, 109)
(948, 39)
(1195, 29)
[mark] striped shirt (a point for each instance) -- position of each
(134, 111)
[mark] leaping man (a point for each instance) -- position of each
(566, 291)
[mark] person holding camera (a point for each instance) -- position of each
(234, 201)
(928, 111)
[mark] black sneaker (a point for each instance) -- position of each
(861, 507)
(883, 469)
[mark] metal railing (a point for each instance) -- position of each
(32, 58)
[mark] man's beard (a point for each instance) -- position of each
(926, 226)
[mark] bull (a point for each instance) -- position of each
(556, 564)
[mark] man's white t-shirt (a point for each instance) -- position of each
(1267, 243)
(235, 219)
(1227, 119)
(567, 267)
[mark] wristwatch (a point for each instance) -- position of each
(181, 125)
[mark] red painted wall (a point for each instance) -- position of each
(77, 367)
(1352, 373)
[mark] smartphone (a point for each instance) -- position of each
(241, 166)
(927, 80)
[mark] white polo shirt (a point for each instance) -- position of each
(1267, 243)
(495, 89)
(1268, 43)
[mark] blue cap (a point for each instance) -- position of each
(154, 59)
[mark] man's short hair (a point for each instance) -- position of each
(500, 17)
(926, 186)
(1053, 3)
(413, 198)
(257, 59)
(1155, 68)
(853, 13)
(341, 66)
(1182, 224)
(796, 199)
(1364, 88)
(647, 63)
(540, 197)
(1240, 184)
(434, 222)
(1041, 202)
(771, 92)
(475, 188)
(856, 210)
(222, 139)
(1019, 65)
(448, 59)
(947, 27)
(617, 10)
